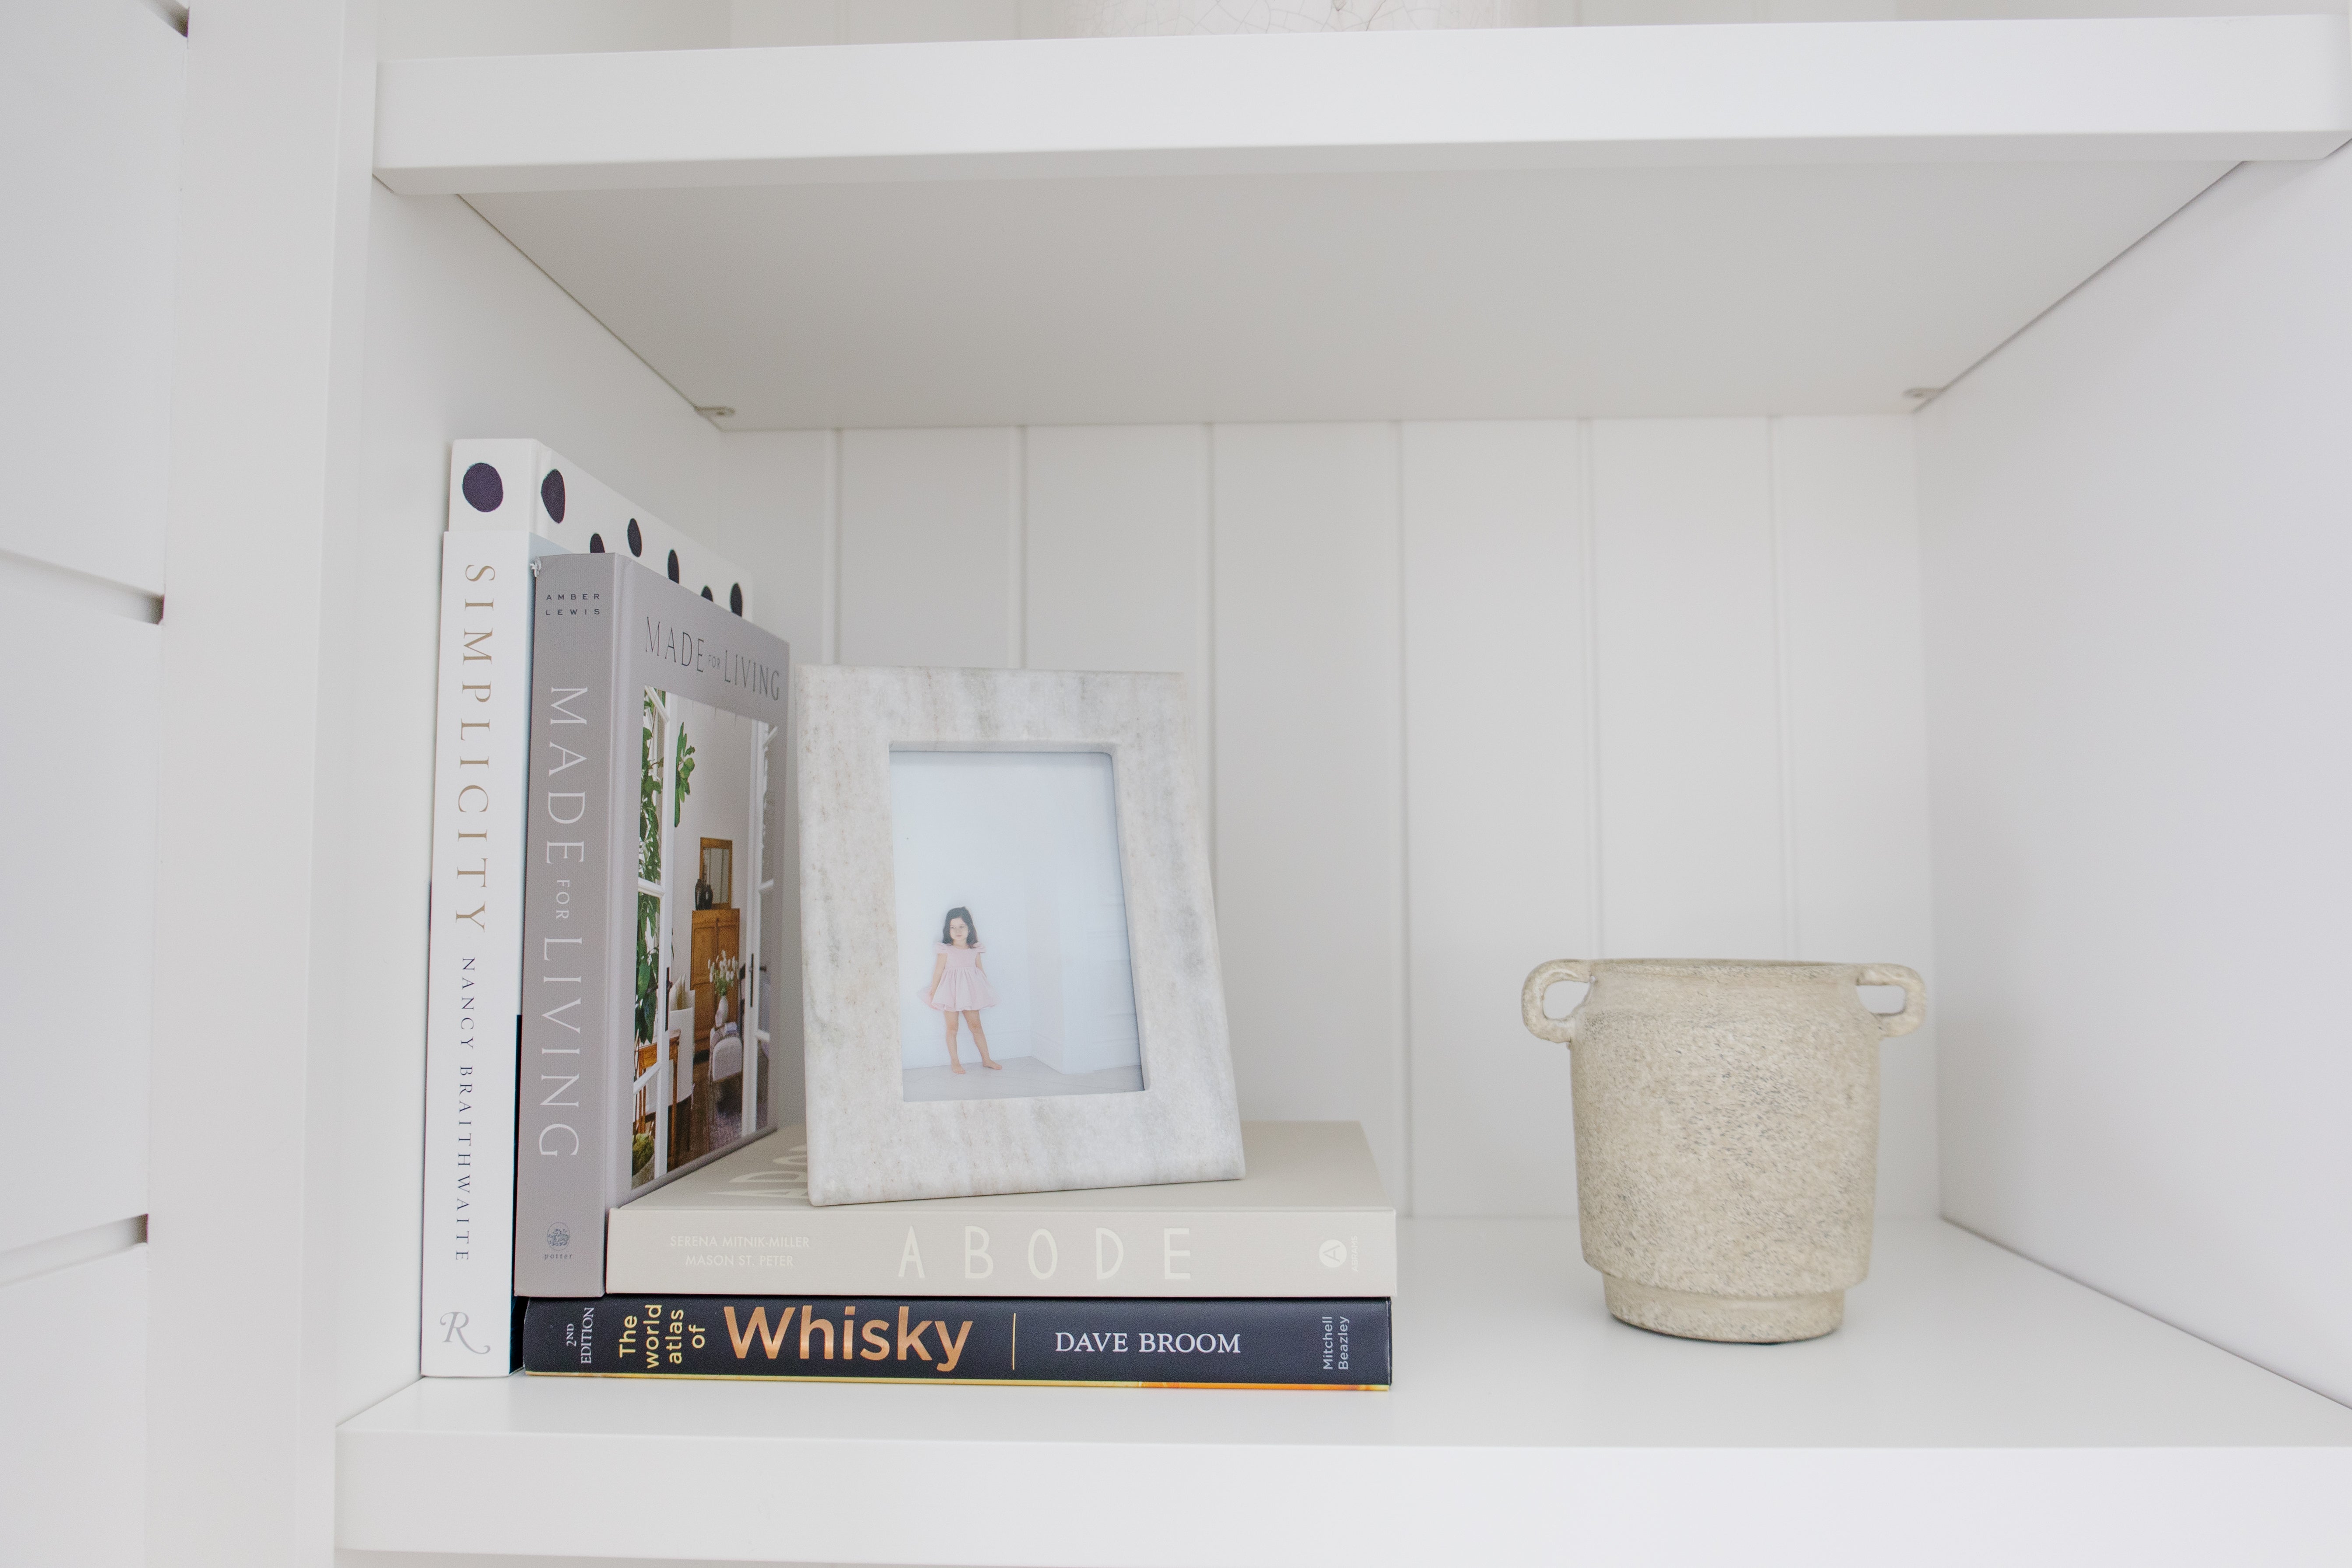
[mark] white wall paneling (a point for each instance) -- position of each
(1390, 636)
(1116, 554)
(90, 99)
(1498, 799)
(2136, 549)
(77, 921)
(73, 1446)
(89, 112)
(1854, 747)
(930, 547)
(1690, 776)
(1310, 848)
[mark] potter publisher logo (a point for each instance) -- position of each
(558, 1237)
(1334, 1253)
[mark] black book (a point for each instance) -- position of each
(1116, 1342)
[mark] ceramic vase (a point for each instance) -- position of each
(1727, 1135)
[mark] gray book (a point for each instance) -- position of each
(1309, 1220)
(654, 711)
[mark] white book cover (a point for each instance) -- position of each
(1309, 1220)
(510, 501)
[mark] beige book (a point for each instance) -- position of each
(1308, 1220)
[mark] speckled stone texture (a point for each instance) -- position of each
(866, 1143)
(1727, 1135)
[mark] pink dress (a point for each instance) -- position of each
(963, 985)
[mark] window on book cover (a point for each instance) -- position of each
(702, 774)
(1017, 980)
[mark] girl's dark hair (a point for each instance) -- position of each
(971, 932)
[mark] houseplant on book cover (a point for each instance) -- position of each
(653, 712)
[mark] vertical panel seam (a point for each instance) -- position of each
(1209, 636)
(1587, 533)
(833, 444)
(1405, 838)
(1017, 569)
(1783, 738)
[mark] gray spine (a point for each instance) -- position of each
(572, 1035)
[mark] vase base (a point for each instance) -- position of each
(1739, 1319)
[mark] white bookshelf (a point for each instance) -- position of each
(1973, 1406)
(1029, 344)
(1708, 220)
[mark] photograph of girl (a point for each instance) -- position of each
(960, 987)
(1023, 847)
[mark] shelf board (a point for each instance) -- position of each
(1975, 1407)
(1642, 221)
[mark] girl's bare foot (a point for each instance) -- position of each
(992, 1066)
(955, 1068)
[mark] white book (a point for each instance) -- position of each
(1309, 1220)
(510, 501)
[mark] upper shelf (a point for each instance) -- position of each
(1974, 1408)
(1636, 220)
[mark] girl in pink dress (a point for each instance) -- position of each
(960, 986)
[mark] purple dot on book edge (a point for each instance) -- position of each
(637, 540)
(735, 597)
(550, 493)
(673, 565)
(595, 544)
(708, 594)
(483, 489)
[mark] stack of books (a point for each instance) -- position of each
(605, 1192)
(1280, 1279)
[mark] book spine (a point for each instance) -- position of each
(1305, 1344)
(474, 963)
(856, 1249)
(570, 1032)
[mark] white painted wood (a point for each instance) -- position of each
(1691, 862)
(1667, 291)
(930, 535)
(1498, 804)
(78, 920)
(2138, 651)
(1310, 846)
(1665, 221)
(90, 114)
(1116, 556)
(1854, 743)
(265, 454)
(2077, 1429)
(73, 1446)
(2198, 90)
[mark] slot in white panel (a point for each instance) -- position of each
(78, 920)
(1689, 745)
(1498, 797)
(930, 542)
(73, 1444)
(1309, 815)
(89, 112)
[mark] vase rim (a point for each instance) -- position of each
(1725, 968)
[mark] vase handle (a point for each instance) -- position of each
(1914, 996)
(1543, 1027)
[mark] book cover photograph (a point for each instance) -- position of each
(1330, 1343)
(653, 799)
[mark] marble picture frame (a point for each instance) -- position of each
(867, 1141)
